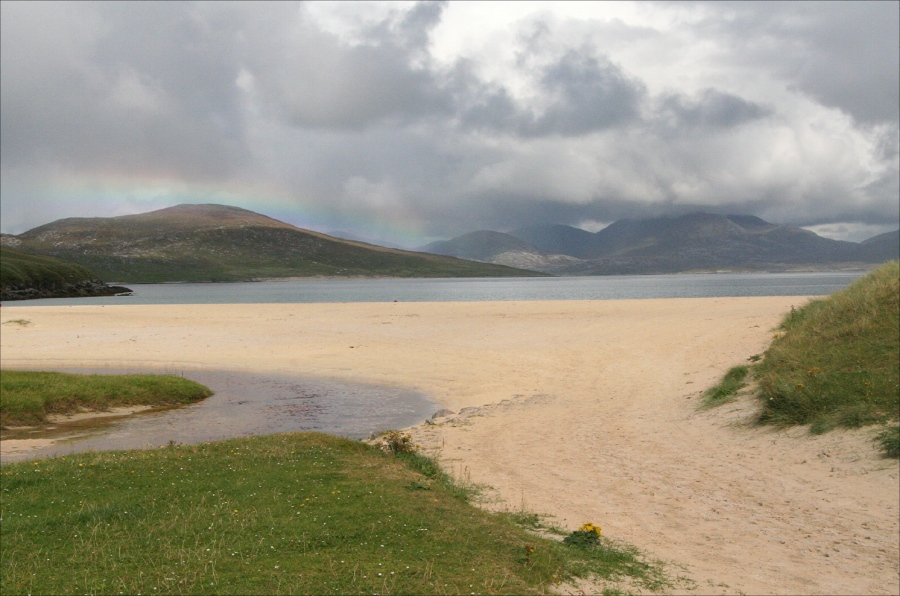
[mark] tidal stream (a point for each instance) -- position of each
(244, 404)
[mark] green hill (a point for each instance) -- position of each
(221, 243)
(24, 275)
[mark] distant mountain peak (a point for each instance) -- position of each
(750, 222)
(206, 214)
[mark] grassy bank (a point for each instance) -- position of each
(834, 362)
(27, 397)
(290, 513)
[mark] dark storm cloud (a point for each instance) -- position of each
(509, 212)
(482, 106)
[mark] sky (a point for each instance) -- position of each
(405, 122)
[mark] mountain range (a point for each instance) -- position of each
(222, 243)
(693, 242)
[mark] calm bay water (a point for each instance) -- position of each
(476, 290)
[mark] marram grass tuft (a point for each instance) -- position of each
(837, 362)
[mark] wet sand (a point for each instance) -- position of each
(586, 411)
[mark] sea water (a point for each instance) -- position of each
(475, 289)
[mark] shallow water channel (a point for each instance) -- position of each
(244, 404)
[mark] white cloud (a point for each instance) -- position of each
(851, 232)
(591, 225)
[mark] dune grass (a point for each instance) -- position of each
(889, 441)
(833, 363)
(27, 397)
(836, 363)
(291, 513)
(733, 381)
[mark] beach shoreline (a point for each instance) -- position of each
(583, 410)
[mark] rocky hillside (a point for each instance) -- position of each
(500, 248)
(221, 243)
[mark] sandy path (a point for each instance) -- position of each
(593, 418)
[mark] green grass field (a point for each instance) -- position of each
(291, 513)
(26, 397)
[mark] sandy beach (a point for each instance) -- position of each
(582, 410)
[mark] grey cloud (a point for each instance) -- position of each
(411, 29)
(711, 108)
(315, 82)
(479, 105)
(310, 78)
(131, 93)
(414, 162)
(193, 56)
(506, 212)
(374, 130)
(591, 94)
(586, 94)
(845, 54)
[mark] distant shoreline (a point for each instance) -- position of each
(860, 267)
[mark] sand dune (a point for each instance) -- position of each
(585, 411)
